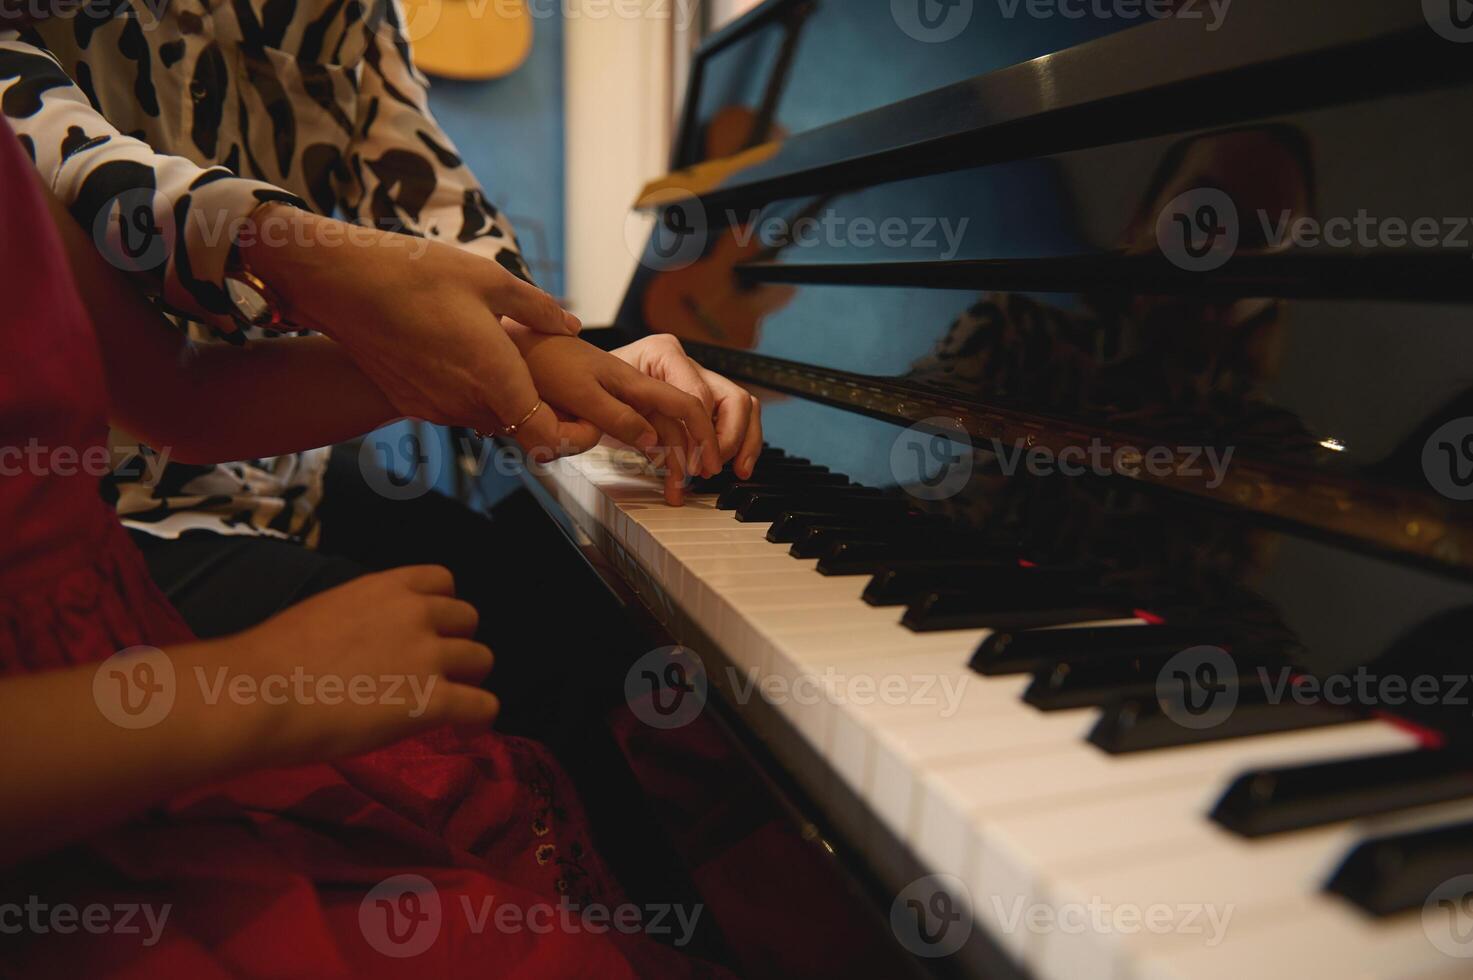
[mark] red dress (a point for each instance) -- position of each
(395, 863)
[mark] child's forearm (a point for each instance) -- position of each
(212, 403)
(72, 767)
(267, 398)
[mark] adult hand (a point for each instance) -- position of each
(420, 318)
(603, 394)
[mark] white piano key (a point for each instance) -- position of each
(984, 786)
(741, 534)
(1252, 882)
(1321, 937)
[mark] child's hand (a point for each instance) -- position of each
(737, 412)
(400, 636)
(608, 396)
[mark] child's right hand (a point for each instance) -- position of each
(400, 636)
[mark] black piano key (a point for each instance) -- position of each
(701, 485)
(780, 473)
(787, 470)
(1013, 652)
(1090, 681)
(869, 557)
(738, 493)
(856, 512)
(1144, 724)
(792, 526)
(1019, 610)
(902, 586)
(1401, 872)
(765, 507)
(821, 539)
(1275, 801)
(901, 583)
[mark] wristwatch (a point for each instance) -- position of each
(252, 302)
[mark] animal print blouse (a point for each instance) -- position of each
(163, 123)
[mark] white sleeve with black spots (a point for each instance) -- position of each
(137, 204)
(403, 172)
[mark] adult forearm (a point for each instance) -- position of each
(421, 318)
(213, 403)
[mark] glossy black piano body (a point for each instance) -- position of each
(1156, 321)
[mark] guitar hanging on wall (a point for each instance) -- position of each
(468, 39)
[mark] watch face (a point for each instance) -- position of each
(251, 307)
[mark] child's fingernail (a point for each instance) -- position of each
(573, 324)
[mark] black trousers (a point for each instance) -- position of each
(223, 584)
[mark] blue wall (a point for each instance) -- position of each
(510, 133)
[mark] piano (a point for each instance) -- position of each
(1102, 603)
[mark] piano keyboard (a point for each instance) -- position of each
(1038, 824)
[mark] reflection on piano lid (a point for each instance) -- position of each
(1220, 663)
